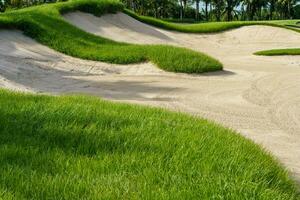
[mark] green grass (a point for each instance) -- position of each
(213, 27)
(210, 27)
(292, 24)
(45, 24)
(279, 52)
(76, 147)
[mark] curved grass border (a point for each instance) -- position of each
(78, 147)
(279, 52)
(45, 24)
(215, 27)
(210, 27)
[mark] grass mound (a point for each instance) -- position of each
(213, 27)
(210, 27)
(278, 52)
(76, 147)
(45, 24)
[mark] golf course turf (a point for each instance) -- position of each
(80, 147)
(214, 27)
(77, 147)
(46, 25)
(211, 27)
(279, 52)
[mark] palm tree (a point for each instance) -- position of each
(251, 7)
(197, 9)
(229, 8)
(207, 2)
(254, 8)
(219, 6)
(260, 4)
(181, 8)
(272, 8)
(2, 6)
(285, 7)
(184, 6)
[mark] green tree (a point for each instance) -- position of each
(251, 7)
(197, 2)
(272, 8)
(285, 8)
(254, 8)
(219, 6)
(206, 2)
(230, 8)
(2, 6)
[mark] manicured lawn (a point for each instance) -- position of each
(45, 24)
(279, 52)
(79, 147)
(211, 27)
(76, 147)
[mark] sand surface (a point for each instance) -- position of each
(255, 95)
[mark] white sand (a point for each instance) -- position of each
(258, 96)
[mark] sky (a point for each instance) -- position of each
(202, 6)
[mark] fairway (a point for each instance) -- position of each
(99, 104)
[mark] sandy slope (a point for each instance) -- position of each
(258, 96)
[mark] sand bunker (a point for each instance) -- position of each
(258, 96)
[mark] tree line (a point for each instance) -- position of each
(216, 10)
(199, 10)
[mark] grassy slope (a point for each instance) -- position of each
(210, 27)
(76, 147)
(45, 24)
(83, 148)
(278, 52)
(213, 27)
